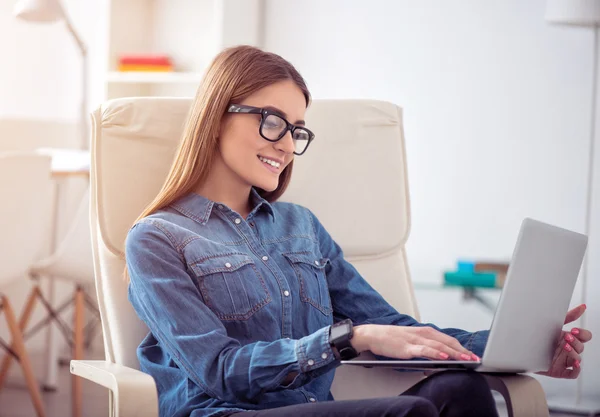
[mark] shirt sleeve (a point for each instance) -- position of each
(352, 297)
(167, 300)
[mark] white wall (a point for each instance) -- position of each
(497, 108)
(41, 72)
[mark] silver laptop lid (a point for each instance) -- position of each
(535, 298)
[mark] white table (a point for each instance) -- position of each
(68, 162)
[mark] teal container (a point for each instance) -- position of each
(466, 278)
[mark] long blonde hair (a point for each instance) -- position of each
(234, 74)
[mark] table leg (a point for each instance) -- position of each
(470, 293)
(52, 341)
(52, 347)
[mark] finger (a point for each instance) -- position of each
(582, 334)
(559, 358)
(575, 313)
(432, 334)
(563, 363)
(574, 342)
(564, 373)
(449, 351)
(568, 357)
(423, 351)
(572, 359)
(571, 373)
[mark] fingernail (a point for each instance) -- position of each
(444, 355)
(569, 338)
(584, 306)
(475, 357)
(465, 357)
(568, 347)
(577, 364)
(575, 331)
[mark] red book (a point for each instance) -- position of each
(144, 60)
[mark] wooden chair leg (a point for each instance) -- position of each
(19, 348)
(78, 318)
(25, 316)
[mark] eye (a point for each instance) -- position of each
(301, 134)
(273, 122)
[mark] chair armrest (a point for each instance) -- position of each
(127, 386)
(523, 394)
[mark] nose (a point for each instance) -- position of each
(286, 143)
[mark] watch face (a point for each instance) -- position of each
(338, 331)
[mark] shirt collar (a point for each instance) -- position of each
(260, 203)
(199, 208)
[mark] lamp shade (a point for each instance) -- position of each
(38, 10)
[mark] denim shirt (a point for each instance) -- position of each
(235, 305)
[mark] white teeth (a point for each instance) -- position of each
(270, 162)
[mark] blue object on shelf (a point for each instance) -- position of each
(466, 266)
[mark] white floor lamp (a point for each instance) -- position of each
(47, 11)
(581, 13)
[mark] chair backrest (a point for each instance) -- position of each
(72, 260)
(353, 178)
(25, 212)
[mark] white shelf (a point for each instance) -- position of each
(131, 77)
(190, 32)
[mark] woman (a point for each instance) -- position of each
(249, 301)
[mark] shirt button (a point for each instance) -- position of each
(220, 206)
(316, 262)
(312, 400)
(227, 265)
(237, 221)
(311, 362)
(265, 258)
(324, 355)
(286, 293)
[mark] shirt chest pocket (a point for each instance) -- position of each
(231, 285)
(310, 270)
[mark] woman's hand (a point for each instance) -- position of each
(407, 342)
(566, 362)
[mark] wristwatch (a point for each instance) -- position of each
(340, 335)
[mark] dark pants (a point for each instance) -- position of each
(444, 394)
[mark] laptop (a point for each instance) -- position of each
(532, 307)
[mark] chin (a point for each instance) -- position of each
(268, 186)
(265, 183)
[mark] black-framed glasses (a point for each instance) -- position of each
(273, 126)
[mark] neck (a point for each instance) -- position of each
(219, 187)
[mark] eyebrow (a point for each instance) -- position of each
(282, 113)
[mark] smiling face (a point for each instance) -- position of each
(246, 157)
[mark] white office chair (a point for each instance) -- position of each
(25, 186)
(134, 141)
(71, 262)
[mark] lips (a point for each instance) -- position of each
(271, 168)
(272, 159)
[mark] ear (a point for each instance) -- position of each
(222, 125)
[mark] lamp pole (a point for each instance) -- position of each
(83, 132)
(48, 11)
